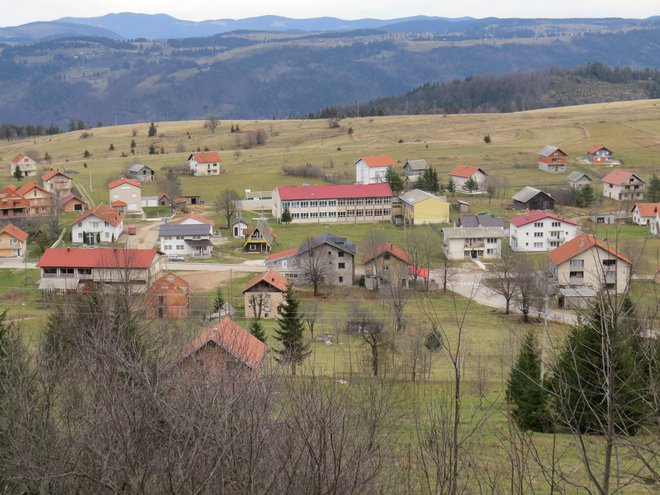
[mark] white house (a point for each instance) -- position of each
(25, 164)
(623, 185)
(100, 224)
(192, 239)
(192, 219)
(472, 242)
(540, 231)
(238, 228)
(128, 191)
(460, 174)
(372, 169)
(644, 213)
(205, 163)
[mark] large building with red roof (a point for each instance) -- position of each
(540, 231)
(623, 185)
(372, 169)
(334, 203)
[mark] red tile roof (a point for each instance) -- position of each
(647, 209)
(206, 156)
(464, 171)
(97, 258)
(9, 190)
(595, 148)
(618, 176)
(288, 193)
(387, 247)
(104, 212)
(28, 187)
(20, 157)
(535, 216)
(118, 203)
(271, 277)
(177, 221)
(15, 232)
(71, 197)
(282, 254)
(419, 271)
(234, 339)
(578, 245)
(378, 161)
(124, 180)
(52, 173)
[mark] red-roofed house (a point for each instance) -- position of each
(539, 230)
(644, 213)
(205, 163)
(72, 203)
(192, 219)
(264, 294)
(100, 224)
(129, 191)
(623, 185)
(599, 154)
(587, 261)
(460, 174)
(11, 204)
(13, 242)
(26, 165)
(334, 203)
(85, 270)
(40, 201)
(552, 159)
(385, 262)
(57, 183)
(168, 297)
(372, 169)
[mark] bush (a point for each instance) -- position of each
(308, 171)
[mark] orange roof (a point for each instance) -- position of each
(378, 161)
(28, 187)
(234, 339)
(206, 156)
(464, 171)
(15, 232)
(194, 217)
(52, 173)
(578, 245)
(647, 209)
(118, 203)
(282, 254)
(20, 157)
(97, 258)
(389, 248)
(124, 180)
(104, 212)
(618, 176)
(9, 190)
(71, 197)
(169, 283)
(271, 277)
(595, 148)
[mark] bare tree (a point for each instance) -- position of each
(372, 332)
(227, 204)
(257, 303)
(505, 277)
(420, 246)
(310, 316)
(315, 264)
(395, 293)
(447, 273)
(373, 242)
(212, 123)
(527, 285)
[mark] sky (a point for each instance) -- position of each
(25, 11)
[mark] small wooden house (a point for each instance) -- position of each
(577, 180)
(72, 203)
(598, 154)
(531, 198)
(552, 159)
(259, 239)
(142, 173)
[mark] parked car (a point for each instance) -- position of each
(175, 257)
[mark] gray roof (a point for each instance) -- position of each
(582, 291)
(239, 221)
(527, 193)
(576, 176)
(185, 229)
(480, 221)
(262, 227)
(548, 150)
(416, 165)
(472, 232)
(417, 195)
(138, 167)
(336, 241)
(199, 242)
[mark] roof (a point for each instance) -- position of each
(28, 187)
(199, 242)
(378, 161)
(387, 248)
(549, 149)
(576, 176)
(416, 165)
(597, 147)
(647, 209)
(472, 232)
(465, 171)
(280, 255)
(205, 156)
(535, 216)
(236, 222)
(97, 258)
(9, 190)
(18, 158)
(288, 193)
(271, 277)
(118, 203)
(15, 232)
(184, 229)
(124, 180)
(418, 271)
(528, 193)
(70, 197)
(192, 216)
(169, 282)
(578, 245)
(340, 243)
(52, 173)
(234, 339)
(480, 221)
(616, 177)
(104, 212)
(262, 227)
(417, 196)
(139, 166)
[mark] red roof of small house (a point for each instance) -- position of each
(52, 173)
(97, 258)
(9, 190)
(535, 216)
(288, 193)
(15, 232)
(22, 191)
(618, 176)
(578, 245)
(104, 212)
(177, 221)
(206, 156)
(70, 197)
(119, 203)
(378, 161)
(466, 171)
(647, 209)
(280, 255)
(595, 148)
(163, 195)
(271, 277)
(124, 180)
(169, 283)
(20, 157)
(387, 247)
(234, 339)
(419, 271)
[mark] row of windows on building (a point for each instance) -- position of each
(330, 203)
(342, 214)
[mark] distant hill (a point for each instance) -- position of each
(49, 30)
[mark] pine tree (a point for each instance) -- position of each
(218, 300)
(588, 195)
(18, 173)
(286, 215)
(653, 192)
(528, 399)
(290, 333)
(451, 188)
(257, 330)
(471, 185)
(152, 130)
(394, 180)
(429, 181)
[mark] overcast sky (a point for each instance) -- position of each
(23, 11)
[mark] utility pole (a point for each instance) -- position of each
(545, 334)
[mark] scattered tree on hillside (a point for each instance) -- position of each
(653, 191)
(428, 181)
(505, 277)
(527, 286)
(315, 265)
(18, 173)
(311, 315)
(290, 333)
(227, 204)
(111, 147)
(86, 154)
(133, 144)
(487, 139)
(152, 130)
(394, 180)
(171, 184)
(372, 331)
(212, 123)
(451, 187)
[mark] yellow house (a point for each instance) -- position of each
(12, 242)
(420, 207)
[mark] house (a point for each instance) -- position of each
(599, 154)
(610, 217)
(40, 201)
(644, 213)
(587, 261)
(655, 223)
(226, 353)
(25, 164)
(552, 159)
(100, 224)
(164, 200)
(72, 203)
(259, 239)
(623, 185)
(330, 256)
(386, 263)
(577, 180)
(334, 203)
(188, 200)
(128, 191)
(238, 228)
(85, 270)
(264, 294)
(461, 174)
(204, 163)
(420, 208)
(13, 242)
(168, 297)
(186, 239)
(12, 205)
(120, 206)
(531, 198)
(192, 219)
(372, 169)
(472, 242)
(57, 183)
(481, 220)
(539, 231)
(413, 169)
(141, 173)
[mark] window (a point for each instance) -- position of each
(538, 225)
(538, 234)
(341, 279)
(538, 245)
(576, 274)
(107, 235)
(490, 251)
(340, 254)
(491, 240)
(84, 271)
(609, 262)
(341, 265)
(80, 235)
(577, 263)
(556, 224)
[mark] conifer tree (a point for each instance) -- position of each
(290, 333)
(394, 180)
(218, 300)
(152, 130)
(286, 215)
(257, 330)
